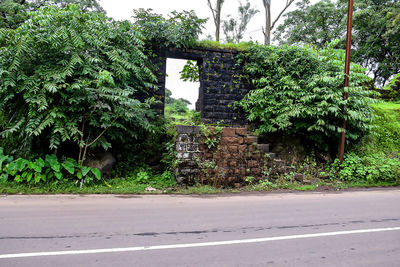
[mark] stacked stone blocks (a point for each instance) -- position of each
(236, 157)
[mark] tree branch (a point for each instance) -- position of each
(288, 3)
(212, 11)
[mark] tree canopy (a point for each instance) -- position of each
(376, 35)
(14, 12)
(71, 76)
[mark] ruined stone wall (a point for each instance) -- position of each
(235, 157)
(221, 83)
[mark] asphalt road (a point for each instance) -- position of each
(359, 228)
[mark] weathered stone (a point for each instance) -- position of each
(250, 140)
(192, 148)
(264, 148)
(278, 162)
(228, 132)
(242, 148)
(233, 163)
(237, 185)
(228, 140)
(104, 161)
(241, 131)
(256, 156)
(181, 147)
(298, 177)
(255, 171)
(183, 138)
(233, 149)
(183, 155)
(252, 163)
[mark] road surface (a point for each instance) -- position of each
(360, 228)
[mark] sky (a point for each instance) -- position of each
(122, 10)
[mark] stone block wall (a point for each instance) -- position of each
(221, 83)
(235, 157)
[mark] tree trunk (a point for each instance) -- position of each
(216, 12)
(268, 25)
(267, 30)
(217, 21)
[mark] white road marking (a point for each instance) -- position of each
(192, 245)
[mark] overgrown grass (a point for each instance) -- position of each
(242, 46)
(129, 186)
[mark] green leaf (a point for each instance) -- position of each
(69, 167)
(85, 170)
(58, 175)
(96, 173)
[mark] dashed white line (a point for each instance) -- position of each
(193, 245)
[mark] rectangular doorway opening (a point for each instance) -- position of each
(182, 91)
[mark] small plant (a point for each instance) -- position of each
(46, 170)
(212, 135)
(250, 180)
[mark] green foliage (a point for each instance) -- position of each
(376, 31)
(376, 157)
(177, 111)
(369, 168)
(70, 76)
(385, 134)
(47, 170)
(300, 91)
(14, 12)
(175, 106)
(190, 72)
(147, 177)
(180, 29)
(317, 24)
(212, 135)
(235, 28)
(242, 46)
(394, 87)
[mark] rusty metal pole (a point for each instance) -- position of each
(346, 79)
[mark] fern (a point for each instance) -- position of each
(71, 76)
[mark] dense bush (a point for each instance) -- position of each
(180, 29)
(376, 156)
(67, 76)
(299, 90)
(394, 88)
(370, 168)
(47, 170)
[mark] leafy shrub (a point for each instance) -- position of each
(300, 91)
(47, 170)
(370, 168)
(67, 76)
(180, 29)
(147, 177)
(394, 88)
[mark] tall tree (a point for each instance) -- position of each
(13, 12)
(235, 28)
(376, 31)
(317, 24)
(269, 24)
(216, 12)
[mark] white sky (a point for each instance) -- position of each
(122, 9)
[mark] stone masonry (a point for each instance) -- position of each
(236, 156)
(222, 83)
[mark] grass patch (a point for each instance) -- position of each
(127, 186)
(242, 46)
